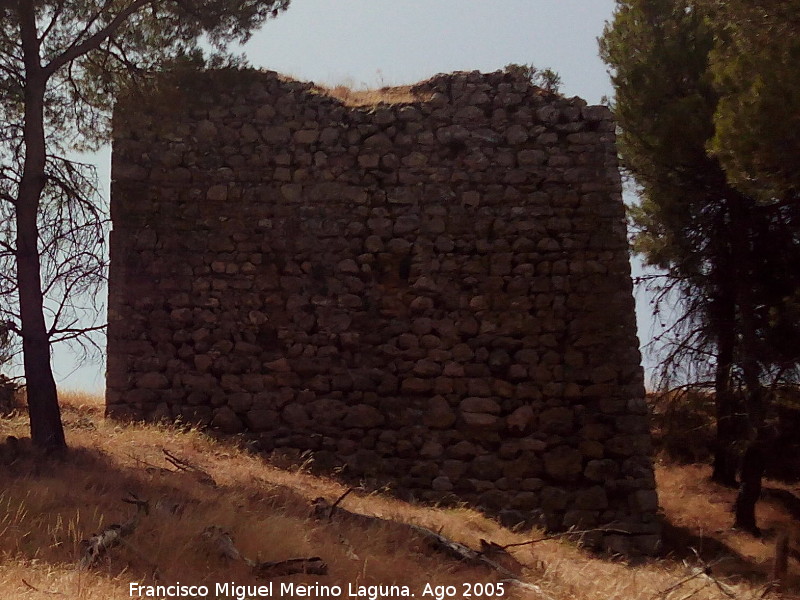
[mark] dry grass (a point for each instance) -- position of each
(47, 506)
(359, 98)
(699, 514)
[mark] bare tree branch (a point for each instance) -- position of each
(57, 10)
(78, 49)
(71, 333)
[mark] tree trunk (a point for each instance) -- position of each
(750, 488)
(725, 456)
(723, 322)
(753, 459)
(45, 417)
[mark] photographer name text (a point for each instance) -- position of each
(314, 590)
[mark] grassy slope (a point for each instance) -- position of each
(47, 507)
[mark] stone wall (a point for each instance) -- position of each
(432, 292)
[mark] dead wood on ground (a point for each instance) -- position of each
(322, 509)
(111, 536)
(182, 464)
(223, 542)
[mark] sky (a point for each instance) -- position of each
(378, 42)
(375, 43)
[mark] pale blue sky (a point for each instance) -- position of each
(371, 43)
(382, 42)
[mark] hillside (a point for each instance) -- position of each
(48, 506)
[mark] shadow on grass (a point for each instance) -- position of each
(71, 497)
(684, 544)
(681, 543)
(786, 499)
(50, 504)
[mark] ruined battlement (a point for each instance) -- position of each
(431, 292)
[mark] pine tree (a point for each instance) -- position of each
(665, 101)
(61, 62)
(725, 238)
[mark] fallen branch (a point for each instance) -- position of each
(35, 589)
(561, 534)
(705, 572)
(339, 501)
(142, 506)
(694, 592)
(179, 463)
(451, 548)
(663, 593)
(150, 466)
(447, 546)
(226, 548)
(464, 553)
(323, 510)
(184, 465)
(708, 574)
(530, 587)
(112, 535)
(224, 543)
(311, 566)
(720, 586)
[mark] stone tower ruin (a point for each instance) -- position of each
(430, 290)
